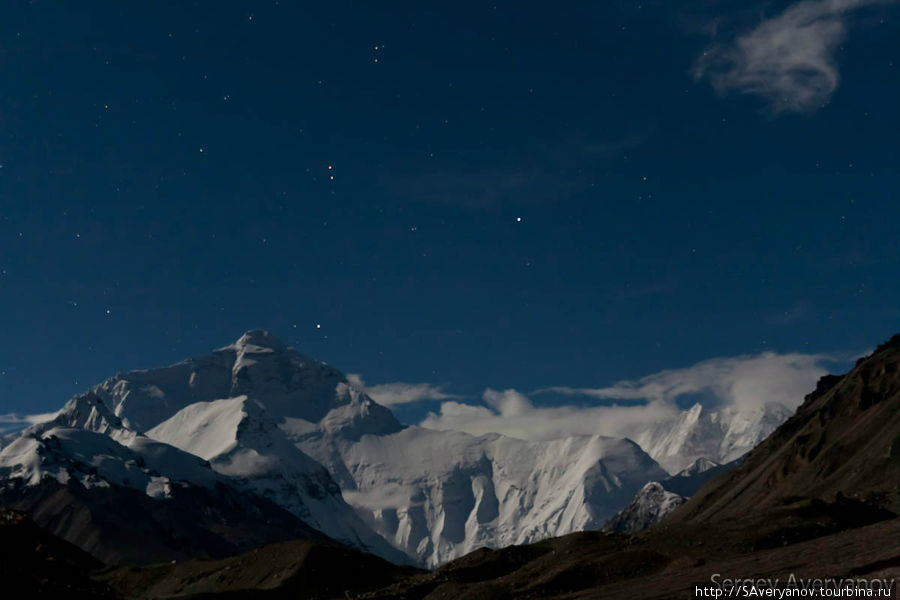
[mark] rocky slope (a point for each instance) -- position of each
(844, 439)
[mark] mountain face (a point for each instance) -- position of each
(843, 440)
(244, 443)
(720, 436)
(440, 494)
(258, 420)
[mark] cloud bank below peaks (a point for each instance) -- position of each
(746, 383)
(393, 394)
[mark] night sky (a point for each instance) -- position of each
(469, 194)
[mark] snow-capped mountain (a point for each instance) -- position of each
(261, 417)
(720, 435)
(650, 506)
(440, 494)
(259, 366)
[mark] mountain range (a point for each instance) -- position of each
(257, 443)
(818, 497)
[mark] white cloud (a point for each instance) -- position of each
(745, 382)
(509, 403)
(545, 423)
(392, 394)
(787, 59)
(12, 421)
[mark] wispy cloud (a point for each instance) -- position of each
(511, 413)
(392, 394)
(788, 59)
(744, 382)
(13, 421)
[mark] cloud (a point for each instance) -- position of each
(787, 59)
(13, 421)
(509, 403)
(392, 394)
(746, 382)
(743, 382)
(529, 422)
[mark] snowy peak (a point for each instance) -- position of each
(650, 506)
(701, 465)
(88, 411)
(259, 366)
(258, 341)
(358, 415)
(718, 435)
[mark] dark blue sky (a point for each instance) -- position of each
(523, 194)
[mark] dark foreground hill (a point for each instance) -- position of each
(122, 526)
(37, 564)
(807, 538)
(297, 569)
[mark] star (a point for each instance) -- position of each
(518, 219)
(318, 326)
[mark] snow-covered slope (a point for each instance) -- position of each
(720, 436)
(88, 443)
(650, 506)
(440, 494)
(241, 441)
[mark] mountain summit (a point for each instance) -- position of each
(258, 365)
